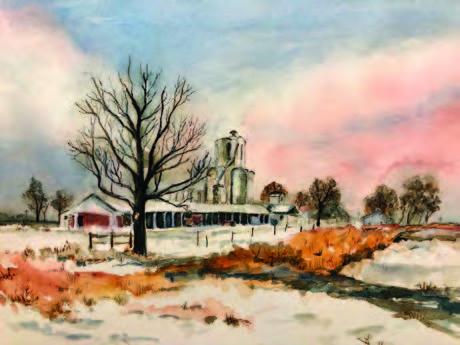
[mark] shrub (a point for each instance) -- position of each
(121, 299)
(89, 301)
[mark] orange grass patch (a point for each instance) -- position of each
(320, 251)
(51, 290)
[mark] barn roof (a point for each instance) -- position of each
(95, 204)
(231, 208)
(283, 209)
(376, 212)
(107, 205)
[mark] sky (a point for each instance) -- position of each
(365, 91)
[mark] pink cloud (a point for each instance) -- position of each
(334, 121)
(40, 76)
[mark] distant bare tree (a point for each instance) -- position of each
(322, 194)
(136, 137)
(61, 202)
(302, 199)
(35, 197)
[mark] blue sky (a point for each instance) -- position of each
(216, 43)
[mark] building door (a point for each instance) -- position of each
(80, 221)
(177, 219)
(244, 218)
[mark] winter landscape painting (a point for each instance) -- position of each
(229, 172)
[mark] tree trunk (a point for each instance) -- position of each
(427, 216)
(409, 217)
(37, 216)
(59, 216)
(318, 216)
(140, 234)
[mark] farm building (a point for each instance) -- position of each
(375, 218)
(95, 211)
(103, 212)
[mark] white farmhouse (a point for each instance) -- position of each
(376, 217)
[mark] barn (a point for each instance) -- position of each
(96, 212)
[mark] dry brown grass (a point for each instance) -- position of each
(319, 251)
(24, 296)
(121, 299)
(367, 341)
(427, 287)
(89, 301)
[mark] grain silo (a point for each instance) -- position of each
(239, 184)
(250, 187)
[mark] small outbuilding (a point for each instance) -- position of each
(376, 217)
(94, 211)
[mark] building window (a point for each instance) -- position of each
(149, 220)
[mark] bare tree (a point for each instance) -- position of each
(322, 194)
(136, 140)
(61, 202)
(35, 197)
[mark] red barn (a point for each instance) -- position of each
(95, 212)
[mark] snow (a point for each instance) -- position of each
(409, 263)
(436, 232)
(113, 267)
(277, 317)
(179, 242)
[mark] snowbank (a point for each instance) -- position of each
(409, 263)
(277, 317)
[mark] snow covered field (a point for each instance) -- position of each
(409, 263)
(178, 242)
(277, 317)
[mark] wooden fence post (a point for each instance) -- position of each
(90, 240)
(301, 228)
(274, 229)
(252, 232)
(206, 241)
(111, 240)
(232, 236)
(130, 240)
(197, 238)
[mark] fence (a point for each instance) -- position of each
(112, 236)
(235, 234)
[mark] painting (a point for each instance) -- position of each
(229, 172)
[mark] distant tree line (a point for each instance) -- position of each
(38, 201)
(323, 199)
(418, 202)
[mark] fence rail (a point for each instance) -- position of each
(233, 235)
(111, 235)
